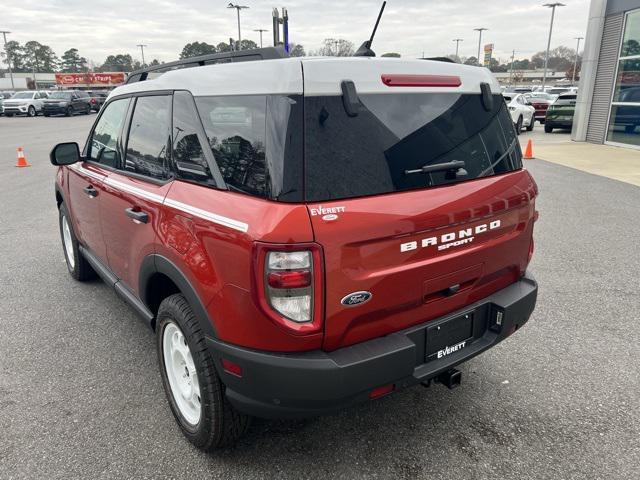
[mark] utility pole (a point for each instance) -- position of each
(479, 30)
(457, 40)
(575, 63)
(260, 30)
(141, 45)
(513, 56)
(4, 34)
(552, 6)
(238, 8)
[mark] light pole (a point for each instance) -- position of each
(513, 56)
(4, 34)
(479, 30)
(575, 63)
(260, 30)
(142, 45)
(238, 8)
(457, 40)
(552, 6)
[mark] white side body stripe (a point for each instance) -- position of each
(154, 197)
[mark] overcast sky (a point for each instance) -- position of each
(410, 27)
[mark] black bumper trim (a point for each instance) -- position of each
(311, 383)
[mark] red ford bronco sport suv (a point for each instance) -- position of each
(303, 234)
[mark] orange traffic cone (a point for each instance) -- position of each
(528, 153)
(22, 161)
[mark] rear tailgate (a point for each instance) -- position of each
(404, 244)
(363, 251)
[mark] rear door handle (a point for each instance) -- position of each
(137, 215)
(92, 192)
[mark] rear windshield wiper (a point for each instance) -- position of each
(457, 165)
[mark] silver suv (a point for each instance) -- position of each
(27, 103)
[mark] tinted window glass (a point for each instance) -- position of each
(371, 153)
(148, 142)
(257, 143)
(105, 135)
(189, 157)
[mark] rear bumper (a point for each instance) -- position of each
(317, 382)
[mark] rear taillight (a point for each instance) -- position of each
(288, 285)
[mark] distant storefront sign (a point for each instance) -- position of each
(488, 52)
(90, 79)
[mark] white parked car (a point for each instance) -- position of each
(522, 114)
(27, 103)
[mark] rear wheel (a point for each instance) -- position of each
(69, 111)
(548, 128)
(78, 266)
(88, 110)
(31, 111)
(194, 390)
(519, 125)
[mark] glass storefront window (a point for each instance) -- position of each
(624, 125)
(624, 119)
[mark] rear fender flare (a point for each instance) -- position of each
(158, 264)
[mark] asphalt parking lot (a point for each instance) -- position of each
(81, 396)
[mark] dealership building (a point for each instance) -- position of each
(608, 105)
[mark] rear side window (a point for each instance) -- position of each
(189, 157)
(370, 153)
(257, 143)
(148, 143)
(105, 134)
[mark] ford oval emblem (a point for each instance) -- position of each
(356, 298)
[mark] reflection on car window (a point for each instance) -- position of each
(188, 154)
(147, 146)
(105, 135)
(235, 128)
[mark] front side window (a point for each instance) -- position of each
(102, 147)
(148, 143)
(395, 134)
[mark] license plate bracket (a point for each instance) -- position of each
(447, 337)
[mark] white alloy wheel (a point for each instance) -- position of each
(68, 243)
(181, 373)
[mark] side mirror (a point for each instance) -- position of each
(65, 154)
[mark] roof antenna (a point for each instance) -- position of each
(365, 48)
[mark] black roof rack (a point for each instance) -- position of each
(270, 53)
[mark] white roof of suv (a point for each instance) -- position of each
(321, 76)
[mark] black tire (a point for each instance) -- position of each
(548, 128)
(220, 424)
(79, 268)
(46, 114)
(8, 114)
(31, 111)
(69, 111)
(531, 124)
(88, 110)
(519, 125)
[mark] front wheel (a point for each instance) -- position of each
(519, 125)
(532, 123)
(68, 112)
(31, 111)
(77, 265)
(194, 390)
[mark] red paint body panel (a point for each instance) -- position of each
(362, 253)
(217, 260)
(541, 109)
(128, 242)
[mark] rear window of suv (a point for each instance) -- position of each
(370, 154)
